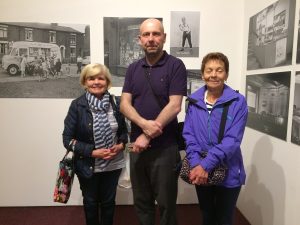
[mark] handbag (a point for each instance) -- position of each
(216, 175)
(64, 180)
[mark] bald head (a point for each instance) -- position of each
(152, 22)
(152, 39)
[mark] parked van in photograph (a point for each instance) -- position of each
(34, 50)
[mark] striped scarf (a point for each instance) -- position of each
(101, 127)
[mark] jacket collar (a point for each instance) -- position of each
(197, 97)
(83, 101)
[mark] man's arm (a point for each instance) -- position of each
(170, 111)
(150, 127)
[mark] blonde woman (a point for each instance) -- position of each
(96, 132)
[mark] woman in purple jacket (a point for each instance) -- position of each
(201, 130)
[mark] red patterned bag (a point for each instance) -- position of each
(64, 180)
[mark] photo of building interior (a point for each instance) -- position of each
(268, 103)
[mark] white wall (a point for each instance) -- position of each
(30, 140)
(271, 194)
(30, 135)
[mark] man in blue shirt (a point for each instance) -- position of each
(153, 115)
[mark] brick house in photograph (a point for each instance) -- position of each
(70, 41)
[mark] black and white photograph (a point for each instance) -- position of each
(42, 60)
(121, 45)
(185, 32)
(270, 38)
(194, 80)
(298, 42)
(295, 134)
(268, 102)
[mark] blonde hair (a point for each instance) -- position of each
(95, 69)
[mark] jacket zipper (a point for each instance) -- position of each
(209, 126)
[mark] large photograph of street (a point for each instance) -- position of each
(42, 60)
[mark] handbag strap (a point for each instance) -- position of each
(223, 121)
(65, 156)
(152, 90)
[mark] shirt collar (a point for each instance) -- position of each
(160, 62)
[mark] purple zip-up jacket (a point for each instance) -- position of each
(201, 131)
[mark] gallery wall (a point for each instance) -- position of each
(271, 194)
(31, 128)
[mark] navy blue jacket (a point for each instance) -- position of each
(79, 126)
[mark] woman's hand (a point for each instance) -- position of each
(108, 153)
(117, 148)
(101, 153)
(198, 175)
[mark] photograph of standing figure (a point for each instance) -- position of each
(186, 33)
(184, 40)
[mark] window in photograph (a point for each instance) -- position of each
(3, 48)
(28, 34)
(73, 39)
(251, 98)
(23, 51)
(52, 36)
(45, 52)
(14, 52)
(279, 23)
(33, 51)
(73, 52)
(3, 31)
